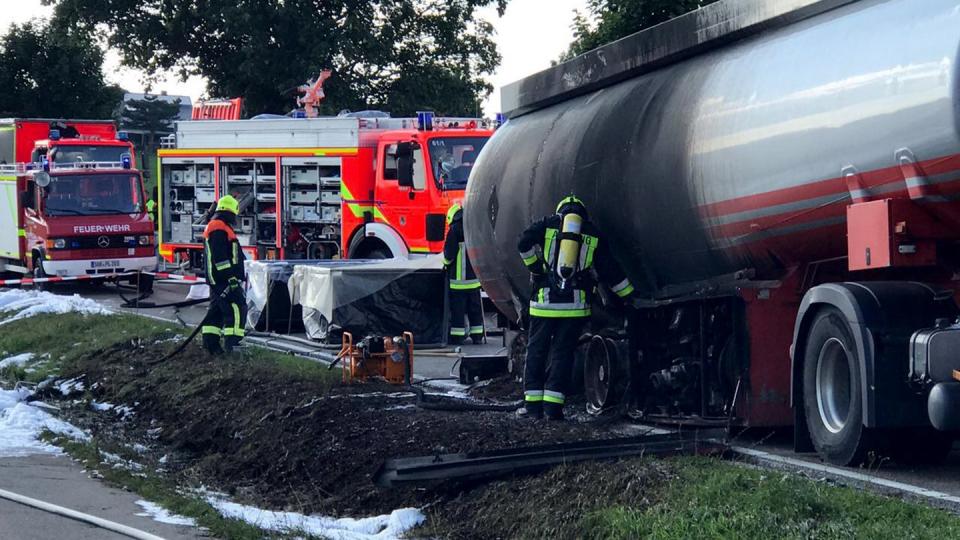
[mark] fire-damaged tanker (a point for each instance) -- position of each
(781, 181)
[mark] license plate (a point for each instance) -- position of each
(104, 264)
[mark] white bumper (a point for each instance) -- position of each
(83, 267)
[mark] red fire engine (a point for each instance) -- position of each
(77, 206)
(314, 188)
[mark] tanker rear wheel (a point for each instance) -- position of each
(604, 376)
(832, 391)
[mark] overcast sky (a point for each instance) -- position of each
(529, 36)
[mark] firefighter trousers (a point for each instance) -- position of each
(465, 309)
(226, 317)
(551, 343)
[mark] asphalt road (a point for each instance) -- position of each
(60, 481)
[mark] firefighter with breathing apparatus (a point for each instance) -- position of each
(225, 276)
(463, 283)
(563, 252)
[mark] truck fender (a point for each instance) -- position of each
(886, 312)
(385, 233)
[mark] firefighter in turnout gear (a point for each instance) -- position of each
(564, 252)
(225, 276)
(464, 285)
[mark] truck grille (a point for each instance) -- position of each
(102, 242)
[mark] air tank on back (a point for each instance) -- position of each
(727, 142)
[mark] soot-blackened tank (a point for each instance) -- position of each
(730, 139)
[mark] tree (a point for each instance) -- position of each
(395, 54)
(53, 72)
(151, 116)
(610, 20)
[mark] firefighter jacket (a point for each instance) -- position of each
(223, 254)
(552, 297)
(459, 270)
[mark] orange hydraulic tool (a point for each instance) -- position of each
(375, 356)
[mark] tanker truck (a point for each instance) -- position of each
(780, 179)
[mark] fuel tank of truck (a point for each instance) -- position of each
(739, 158)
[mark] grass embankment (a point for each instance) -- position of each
(61, 344)
(267, 402)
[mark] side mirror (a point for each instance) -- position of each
(405, 164)
(42, 179)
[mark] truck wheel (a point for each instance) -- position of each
(832, 399)
(377, 253)
(38, 273)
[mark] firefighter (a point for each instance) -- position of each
(561, 251)
(225, 276)
(152, 208)
(463, 283)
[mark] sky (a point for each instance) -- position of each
(530, 35)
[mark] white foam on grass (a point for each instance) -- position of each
(21, 425)
(30, 303)
(384, 527)
(159, 513)
(101, 406)
(18, 360)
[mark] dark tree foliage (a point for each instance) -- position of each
(48, 71)
(400, 55)
(610, 20)
(150, 115)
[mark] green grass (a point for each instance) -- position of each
(713, 499)
(161, 491)
(57, 339)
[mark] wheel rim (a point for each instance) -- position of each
(834, 390)
(597, 371)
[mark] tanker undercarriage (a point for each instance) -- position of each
(681, 362)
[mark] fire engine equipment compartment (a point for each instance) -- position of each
(372, 298)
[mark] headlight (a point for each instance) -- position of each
(56, 243)
(145, 240)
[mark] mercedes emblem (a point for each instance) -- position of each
(103, 241)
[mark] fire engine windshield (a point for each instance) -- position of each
(73, 154)
(452, 158)
(93, 195)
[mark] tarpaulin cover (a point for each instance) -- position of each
(385, 297)
(268, 297)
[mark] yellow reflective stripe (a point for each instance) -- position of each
(446, 261)
(233, 332)
(476, 329)
(559, 313)
(553, 397)
(21, 232)
(458, 331)
(531, 260)
(236, 249)
(215, 330)
(533, 395)
(586, 251)
(223, 265)
(209, 256)
(465, 284)
(625, 292)
(549, 240)
(419, 250)
(237, 323)
(358, 209)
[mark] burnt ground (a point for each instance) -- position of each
(277, 434)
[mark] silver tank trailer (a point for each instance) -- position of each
(737, 158)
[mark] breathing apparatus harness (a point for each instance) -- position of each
(564, 265)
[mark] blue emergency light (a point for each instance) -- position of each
(425, 120)
(299, 113)
(501, 120)
(45, 163)
(123, 136)
(126, 160)
(54, 134)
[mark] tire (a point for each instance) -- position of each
(38, 273)
(832, 391)
(378, 253)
